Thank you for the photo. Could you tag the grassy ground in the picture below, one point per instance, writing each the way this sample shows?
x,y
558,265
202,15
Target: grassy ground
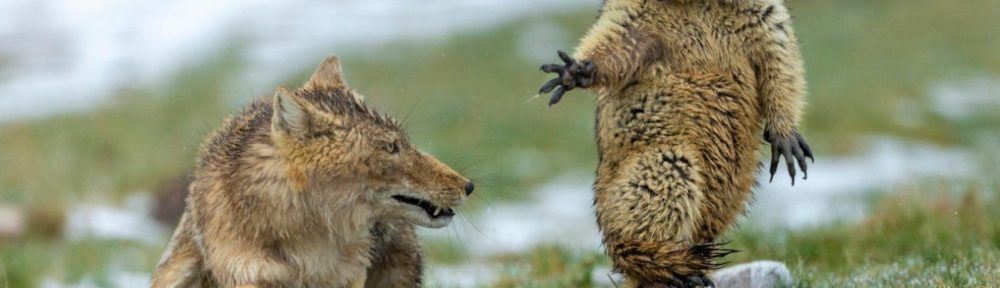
x,y
927,237
914,237
870,67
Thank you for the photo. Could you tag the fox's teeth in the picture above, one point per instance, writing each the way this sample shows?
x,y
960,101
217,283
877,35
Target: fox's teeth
x,y
437,212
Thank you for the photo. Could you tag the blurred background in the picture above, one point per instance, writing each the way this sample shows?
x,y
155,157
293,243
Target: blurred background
x,y
103,105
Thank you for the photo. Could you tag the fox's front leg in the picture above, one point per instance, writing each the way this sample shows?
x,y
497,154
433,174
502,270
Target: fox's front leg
x,y
358,283
781,86
608,57
398,262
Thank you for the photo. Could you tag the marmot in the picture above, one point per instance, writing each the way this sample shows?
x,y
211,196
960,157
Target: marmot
x,y
684,89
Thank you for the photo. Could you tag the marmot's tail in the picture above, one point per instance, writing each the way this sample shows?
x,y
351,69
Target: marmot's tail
x,y
661,261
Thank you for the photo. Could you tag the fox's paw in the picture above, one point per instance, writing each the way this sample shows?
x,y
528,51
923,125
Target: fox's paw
x,y
789,146
572,74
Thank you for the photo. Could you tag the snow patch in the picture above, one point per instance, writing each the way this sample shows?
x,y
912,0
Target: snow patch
x,y
108,222
562,214
959,100
117,278
835,186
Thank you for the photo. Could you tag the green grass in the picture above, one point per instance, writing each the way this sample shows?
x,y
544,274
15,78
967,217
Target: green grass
x,y
870,64
549,266
22,264
939,237
464,99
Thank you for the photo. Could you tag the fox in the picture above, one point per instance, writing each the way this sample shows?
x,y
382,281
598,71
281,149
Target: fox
x,y
684,90
309,188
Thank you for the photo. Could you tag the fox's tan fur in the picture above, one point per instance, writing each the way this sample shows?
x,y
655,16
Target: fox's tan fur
x,y
295,191
685,88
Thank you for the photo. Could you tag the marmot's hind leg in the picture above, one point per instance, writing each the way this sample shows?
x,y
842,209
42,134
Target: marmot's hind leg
x,y
650,216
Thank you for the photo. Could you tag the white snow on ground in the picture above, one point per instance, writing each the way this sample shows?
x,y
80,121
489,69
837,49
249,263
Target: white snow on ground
x,y
466,275
561,214
117,278
109,222
959,100
101,221
836,186
65,55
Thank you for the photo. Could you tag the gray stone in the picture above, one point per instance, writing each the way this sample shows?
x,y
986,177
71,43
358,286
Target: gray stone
x,y
757,274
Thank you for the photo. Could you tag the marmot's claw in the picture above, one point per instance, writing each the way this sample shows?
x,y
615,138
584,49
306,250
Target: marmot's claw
x,y
565,57
805,147
793,146
552,84
549,68
572,74
556,96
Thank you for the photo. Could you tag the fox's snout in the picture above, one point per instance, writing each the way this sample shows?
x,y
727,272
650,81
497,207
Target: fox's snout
x,y
469,187
431,192
443,174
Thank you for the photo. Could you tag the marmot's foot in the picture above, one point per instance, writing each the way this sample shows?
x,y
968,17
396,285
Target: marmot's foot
x,y
698,281
789,146
694,281
572,74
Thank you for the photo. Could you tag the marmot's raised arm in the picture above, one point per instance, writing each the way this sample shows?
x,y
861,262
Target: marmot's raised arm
x,y
619,50
611,54
781,87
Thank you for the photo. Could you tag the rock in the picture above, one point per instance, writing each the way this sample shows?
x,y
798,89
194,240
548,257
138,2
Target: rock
x,y
11,221
757,274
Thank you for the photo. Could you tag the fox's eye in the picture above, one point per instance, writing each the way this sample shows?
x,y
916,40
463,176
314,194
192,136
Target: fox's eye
x,y
392,148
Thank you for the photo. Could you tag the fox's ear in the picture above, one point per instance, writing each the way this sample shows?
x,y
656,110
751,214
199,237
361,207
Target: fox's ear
x,y
328,75
290,113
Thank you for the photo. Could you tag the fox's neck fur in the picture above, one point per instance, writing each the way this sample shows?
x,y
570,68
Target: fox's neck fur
x,y
345,220
319,235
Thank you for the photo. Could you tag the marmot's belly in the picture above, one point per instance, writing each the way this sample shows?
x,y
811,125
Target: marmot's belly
x,y
707,114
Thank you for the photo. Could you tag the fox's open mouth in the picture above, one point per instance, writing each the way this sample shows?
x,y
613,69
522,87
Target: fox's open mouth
x,y
432,211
